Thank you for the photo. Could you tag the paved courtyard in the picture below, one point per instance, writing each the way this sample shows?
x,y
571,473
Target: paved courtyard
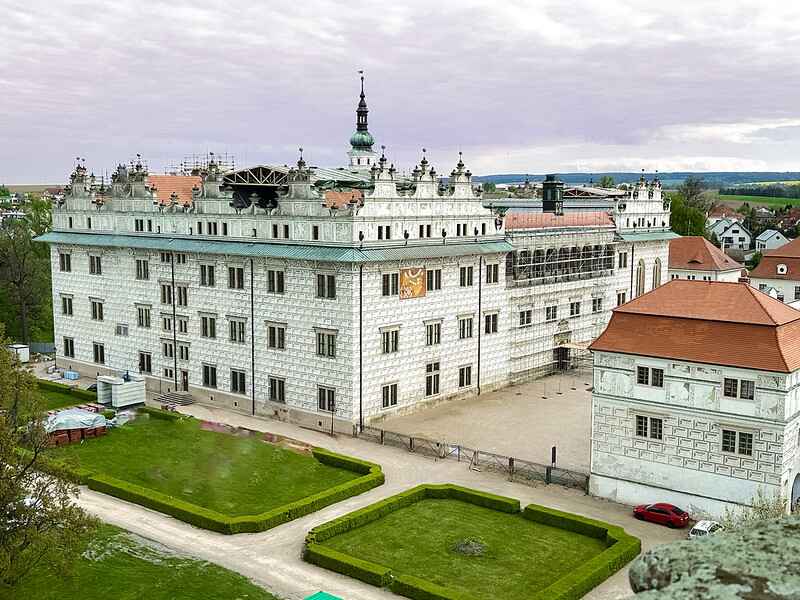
x,y
523,421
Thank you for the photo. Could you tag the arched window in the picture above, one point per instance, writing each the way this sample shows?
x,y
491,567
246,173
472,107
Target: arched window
x,y
550,262
575,260
586,259
538,263
657,273
563,261
640,278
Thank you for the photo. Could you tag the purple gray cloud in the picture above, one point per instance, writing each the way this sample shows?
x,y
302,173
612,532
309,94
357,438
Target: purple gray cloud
x,y
518,86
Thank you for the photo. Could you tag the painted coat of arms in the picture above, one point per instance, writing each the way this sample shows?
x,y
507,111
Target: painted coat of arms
x,y
412,283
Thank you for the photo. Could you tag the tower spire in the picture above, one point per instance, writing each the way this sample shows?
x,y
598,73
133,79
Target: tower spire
x,y
361,154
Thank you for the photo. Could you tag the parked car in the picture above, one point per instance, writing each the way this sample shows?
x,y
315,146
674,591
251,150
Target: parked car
x,y
704,528
662,513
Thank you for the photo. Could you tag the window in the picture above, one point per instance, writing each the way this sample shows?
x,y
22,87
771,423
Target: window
x,y
138,224
224,228
210,376
737,442
424,231
169,373
66,305
286,231
326,286
492,273
464,328
208,326
238,382
639,278
164,256
550,313
730,388
236,330
166,323
390,284
166,293
277,390
180,259
621,298
525,317
274,230
275,282
326,344
315,232
99,353
651,427
95,266
89,223
434,277
642,375
597,305
490,323
389,395
465,376
145,362
657,377
142,269
182,295
384,232
465,276
276,336
623,260
70,222
97,310
207,275
326,399
183,351
390,340
65,262
433,333
199,228
69,347
183,325
432,379
650,376
796,292
747,389
143,316
167,350
574,309
236,278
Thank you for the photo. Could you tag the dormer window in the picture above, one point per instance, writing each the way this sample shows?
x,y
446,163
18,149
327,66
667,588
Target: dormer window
x,y
782,269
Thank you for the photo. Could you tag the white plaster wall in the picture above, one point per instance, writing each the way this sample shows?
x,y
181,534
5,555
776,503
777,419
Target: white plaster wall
x,y
789,288
731,276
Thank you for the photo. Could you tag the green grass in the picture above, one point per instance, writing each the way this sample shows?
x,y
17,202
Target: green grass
x,y
55,400
230,474
758,200
522,557
116,564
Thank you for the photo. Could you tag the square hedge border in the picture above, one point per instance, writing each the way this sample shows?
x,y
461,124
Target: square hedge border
x,y
371,476
81,395
621,547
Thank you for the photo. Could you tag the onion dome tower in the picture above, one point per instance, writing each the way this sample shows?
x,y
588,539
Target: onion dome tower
x,y
361,155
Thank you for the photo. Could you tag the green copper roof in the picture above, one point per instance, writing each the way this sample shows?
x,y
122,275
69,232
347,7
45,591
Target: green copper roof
x,y
362,140
269,250
648,236
322,596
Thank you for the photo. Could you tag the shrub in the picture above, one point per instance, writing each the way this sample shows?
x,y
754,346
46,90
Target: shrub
x,y
108,413
331,559
420,589
484,499
157,413
562,520
326,457
763,506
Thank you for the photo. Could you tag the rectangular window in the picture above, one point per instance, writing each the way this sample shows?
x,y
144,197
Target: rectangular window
x,y
169,373
389,395
390,341
550,313
143,316
747,389
95,266
183,352
286,231
65,262
89,223
656,428
210,376
730,388
315,232
99,353
182,293
433,334
121,330
276,337
138,224
238,382
525,317
142,269
641,426
275,282
166,293
657,377
642,375
236,331
651,427
623,260
180,259
183,325
207,275
597,305
69,347
464,328
326,344
164,256
277,390
66,305
740,442
236,278
490,323
326,399
274,230
199,228
326,286
208,327
465,276
796,292
492,273
434,277
621,298
465,376
574,309
224,228
728,440
390,284
432,379
167,350
745,445
166,323
97,310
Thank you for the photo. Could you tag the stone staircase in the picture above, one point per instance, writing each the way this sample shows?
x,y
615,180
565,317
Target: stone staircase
x,y
175,398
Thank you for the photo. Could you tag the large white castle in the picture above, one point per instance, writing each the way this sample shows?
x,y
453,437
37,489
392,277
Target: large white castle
x,y
339,295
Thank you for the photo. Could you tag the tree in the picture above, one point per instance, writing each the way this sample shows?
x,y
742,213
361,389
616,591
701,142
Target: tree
x,y
489,187
755,259
686,220
4,191
39,522
606,181
691,190
762,507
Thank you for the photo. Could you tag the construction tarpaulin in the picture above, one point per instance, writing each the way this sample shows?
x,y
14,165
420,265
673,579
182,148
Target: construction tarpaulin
x,y
74,418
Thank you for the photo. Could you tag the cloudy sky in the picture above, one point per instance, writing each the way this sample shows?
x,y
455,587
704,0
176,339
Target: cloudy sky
x,y
518,86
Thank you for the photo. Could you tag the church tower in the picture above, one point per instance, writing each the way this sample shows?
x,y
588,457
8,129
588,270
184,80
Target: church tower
x,y
361,155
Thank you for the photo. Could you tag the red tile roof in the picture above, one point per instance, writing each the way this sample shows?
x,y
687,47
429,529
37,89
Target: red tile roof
x,y
342,199
697,253
788,254
181,184
537,220
708,322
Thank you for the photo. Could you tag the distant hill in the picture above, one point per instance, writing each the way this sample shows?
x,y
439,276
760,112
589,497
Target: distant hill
x,y
712,178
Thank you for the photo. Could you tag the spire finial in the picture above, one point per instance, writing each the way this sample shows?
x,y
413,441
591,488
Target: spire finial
x,y
361,72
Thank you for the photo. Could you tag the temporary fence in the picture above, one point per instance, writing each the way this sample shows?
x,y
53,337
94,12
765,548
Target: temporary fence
x,y
516,469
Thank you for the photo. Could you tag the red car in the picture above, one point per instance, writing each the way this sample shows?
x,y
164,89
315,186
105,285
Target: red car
x,y
662,513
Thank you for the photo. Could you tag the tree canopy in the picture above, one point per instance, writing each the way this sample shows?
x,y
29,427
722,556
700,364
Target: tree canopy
x,y
606,181
685,219
691,191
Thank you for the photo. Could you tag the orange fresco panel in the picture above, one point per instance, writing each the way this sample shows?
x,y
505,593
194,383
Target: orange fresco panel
x,y
412,283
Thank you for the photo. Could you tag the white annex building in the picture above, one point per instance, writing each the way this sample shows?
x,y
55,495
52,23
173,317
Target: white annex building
x,y
695,398
770,239
731,234
695,258
778,272
338,295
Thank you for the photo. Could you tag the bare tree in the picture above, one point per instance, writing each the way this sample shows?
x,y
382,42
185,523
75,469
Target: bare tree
x,y
691,190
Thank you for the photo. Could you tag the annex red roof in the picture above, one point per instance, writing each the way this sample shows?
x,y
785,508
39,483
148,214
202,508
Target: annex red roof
x,y
537,220
709,322
181,184
697,253
788,254
342,199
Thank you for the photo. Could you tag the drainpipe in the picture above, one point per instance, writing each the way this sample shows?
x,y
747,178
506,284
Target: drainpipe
x,y
252,341
174,323
632,261
480,316
361,347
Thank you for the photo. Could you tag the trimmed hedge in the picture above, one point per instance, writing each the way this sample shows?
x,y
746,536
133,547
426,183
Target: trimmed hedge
x,y
66,389
621,548
165,415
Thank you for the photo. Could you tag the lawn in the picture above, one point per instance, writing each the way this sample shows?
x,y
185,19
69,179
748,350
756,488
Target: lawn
x,y
117,564
231,474
767,201
521,557
56,400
